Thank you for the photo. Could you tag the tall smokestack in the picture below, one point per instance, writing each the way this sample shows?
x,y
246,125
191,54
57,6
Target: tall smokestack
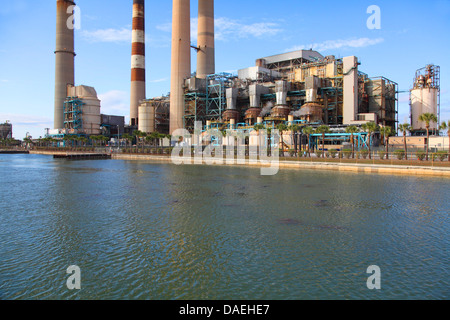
x,y
64,58
137,60
181,60
205,39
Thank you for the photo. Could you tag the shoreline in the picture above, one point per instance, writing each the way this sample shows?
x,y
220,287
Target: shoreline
x,y
342,167
283,164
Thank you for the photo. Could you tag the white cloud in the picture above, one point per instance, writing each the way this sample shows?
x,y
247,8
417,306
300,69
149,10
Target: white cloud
x,y
115,102
338,44
227,29
108,35
124,35
158,80
25,119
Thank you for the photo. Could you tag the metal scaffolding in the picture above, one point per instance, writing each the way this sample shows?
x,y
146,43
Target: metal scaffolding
x,y
73,113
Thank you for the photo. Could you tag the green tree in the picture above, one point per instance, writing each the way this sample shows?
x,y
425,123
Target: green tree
x,y
128,139
323,129
405,127
446,126
281,128
258,127
386,132
370,128
294,128
140,135
428,118
308,131
352,130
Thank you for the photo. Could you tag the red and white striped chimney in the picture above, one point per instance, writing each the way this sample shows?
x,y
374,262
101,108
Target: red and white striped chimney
x,y
137,60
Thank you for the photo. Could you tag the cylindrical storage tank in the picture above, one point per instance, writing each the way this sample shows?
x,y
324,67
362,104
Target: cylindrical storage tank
x,y
423,101
259,120
291,118
251,115
281,112
229,115
91,116
146,118
311,112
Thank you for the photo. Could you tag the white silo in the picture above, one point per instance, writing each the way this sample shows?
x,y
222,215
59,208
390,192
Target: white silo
x,y
425,97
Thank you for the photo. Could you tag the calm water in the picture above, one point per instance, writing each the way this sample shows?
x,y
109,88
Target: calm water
x,y
142,230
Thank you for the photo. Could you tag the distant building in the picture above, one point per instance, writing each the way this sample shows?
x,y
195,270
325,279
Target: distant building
x,y
5,130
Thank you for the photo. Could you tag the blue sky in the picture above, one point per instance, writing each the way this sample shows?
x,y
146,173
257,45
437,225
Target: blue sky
x,y
412,35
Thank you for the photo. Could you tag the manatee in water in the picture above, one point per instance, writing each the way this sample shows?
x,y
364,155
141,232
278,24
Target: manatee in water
x,y
327,227
291,222
322,204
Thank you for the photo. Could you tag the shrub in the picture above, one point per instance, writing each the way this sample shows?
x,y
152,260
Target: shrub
x,y
347,153
364,153
442,155
291,152
332,153
420,155
382,154
319,154
400,154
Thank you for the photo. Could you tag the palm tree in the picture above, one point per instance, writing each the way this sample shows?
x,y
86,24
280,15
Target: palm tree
x,y
128,138
386,132
308,131
428,118
322,130
446,126
139,134
352,130
257,128
294,128
404,128
281,128
370,128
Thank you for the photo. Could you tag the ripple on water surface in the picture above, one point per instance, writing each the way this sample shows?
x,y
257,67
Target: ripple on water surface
x,y
155,231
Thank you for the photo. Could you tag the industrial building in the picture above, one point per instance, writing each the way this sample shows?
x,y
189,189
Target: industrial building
x,y
311,88
302,87
425,98
5,130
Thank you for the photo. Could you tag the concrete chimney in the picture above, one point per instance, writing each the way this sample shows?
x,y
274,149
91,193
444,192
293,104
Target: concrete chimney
x,y
181,60
64,58
205,39
137,60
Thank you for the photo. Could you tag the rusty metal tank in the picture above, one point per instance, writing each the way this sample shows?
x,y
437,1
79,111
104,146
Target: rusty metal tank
x,y
231,114
311,112
280,111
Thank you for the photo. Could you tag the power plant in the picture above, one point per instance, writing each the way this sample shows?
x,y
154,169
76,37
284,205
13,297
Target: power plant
x,y
302,87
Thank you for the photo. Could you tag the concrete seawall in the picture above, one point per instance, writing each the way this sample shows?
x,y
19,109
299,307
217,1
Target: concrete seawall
x,y
343,167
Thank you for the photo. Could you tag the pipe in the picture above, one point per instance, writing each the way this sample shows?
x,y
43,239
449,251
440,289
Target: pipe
x,y
205,39
137,92
64,59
